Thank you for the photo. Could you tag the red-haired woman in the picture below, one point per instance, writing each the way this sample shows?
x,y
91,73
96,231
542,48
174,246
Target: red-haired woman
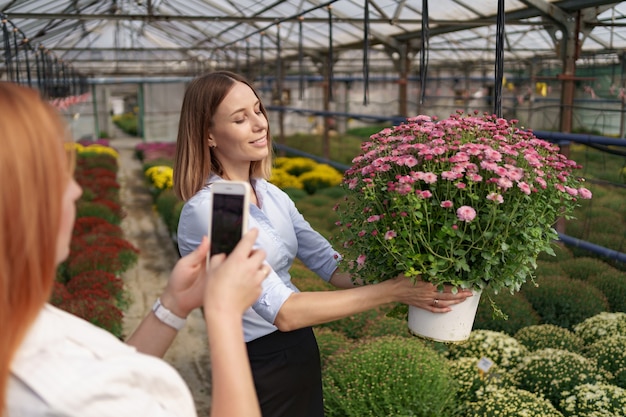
x,y
53,363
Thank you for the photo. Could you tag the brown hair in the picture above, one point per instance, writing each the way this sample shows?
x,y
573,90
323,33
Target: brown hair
x,y
194,161
35,172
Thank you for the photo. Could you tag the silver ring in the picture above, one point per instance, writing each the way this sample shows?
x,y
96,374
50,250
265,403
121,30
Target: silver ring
x,y
436,302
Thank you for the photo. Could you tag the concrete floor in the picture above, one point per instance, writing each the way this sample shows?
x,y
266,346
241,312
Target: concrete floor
x,y
144,228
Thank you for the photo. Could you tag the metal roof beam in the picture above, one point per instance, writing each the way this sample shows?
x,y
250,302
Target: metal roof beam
x,y
511,18
252,20
549,10
142,17
382,37
379,10
399,7
242,19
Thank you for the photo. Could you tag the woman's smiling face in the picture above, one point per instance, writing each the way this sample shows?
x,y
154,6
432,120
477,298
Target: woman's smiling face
x,y
239,132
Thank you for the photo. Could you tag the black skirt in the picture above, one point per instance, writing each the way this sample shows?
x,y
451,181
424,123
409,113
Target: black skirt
x,y
287,374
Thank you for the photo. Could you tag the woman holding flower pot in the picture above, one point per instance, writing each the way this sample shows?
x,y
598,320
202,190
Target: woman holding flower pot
x,y
54,363
224,134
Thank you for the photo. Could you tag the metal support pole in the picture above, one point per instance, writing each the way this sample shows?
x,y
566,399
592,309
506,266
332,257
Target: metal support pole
x,y
140,117
326,98
402,84
94,101
570,55
623,82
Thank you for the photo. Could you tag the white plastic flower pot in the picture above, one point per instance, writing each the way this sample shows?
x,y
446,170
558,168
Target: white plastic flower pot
x,y
450,327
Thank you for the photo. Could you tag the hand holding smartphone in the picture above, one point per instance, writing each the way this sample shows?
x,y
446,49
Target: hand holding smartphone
x,y
228,218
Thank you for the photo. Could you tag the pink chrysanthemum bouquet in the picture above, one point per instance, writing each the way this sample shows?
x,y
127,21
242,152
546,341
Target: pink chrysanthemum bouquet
x,y
468,201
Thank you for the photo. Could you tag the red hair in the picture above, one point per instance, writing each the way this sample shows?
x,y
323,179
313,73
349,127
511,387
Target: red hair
x,y
35,171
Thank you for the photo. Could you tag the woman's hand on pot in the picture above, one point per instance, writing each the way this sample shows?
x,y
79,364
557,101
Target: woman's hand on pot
x,y
425,295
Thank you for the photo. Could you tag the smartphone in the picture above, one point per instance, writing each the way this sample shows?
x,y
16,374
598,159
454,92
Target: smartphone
x,y
228,218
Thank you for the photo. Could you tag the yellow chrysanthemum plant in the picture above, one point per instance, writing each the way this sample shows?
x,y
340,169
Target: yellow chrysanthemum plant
x,y
161,177
304,174
96,149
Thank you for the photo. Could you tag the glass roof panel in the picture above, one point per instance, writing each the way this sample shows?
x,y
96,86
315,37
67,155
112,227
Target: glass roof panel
x,y
197,30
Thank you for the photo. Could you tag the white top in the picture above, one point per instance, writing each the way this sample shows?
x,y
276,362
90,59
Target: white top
x,y
284,235
69,367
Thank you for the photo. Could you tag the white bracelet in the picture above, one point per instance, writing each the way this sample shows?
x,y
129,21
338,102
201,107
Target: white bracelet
x,y
167,317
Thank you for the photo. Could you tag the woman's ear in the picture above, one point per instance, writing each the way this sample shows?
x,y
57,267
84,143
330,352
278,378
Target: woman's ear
x,y
211,142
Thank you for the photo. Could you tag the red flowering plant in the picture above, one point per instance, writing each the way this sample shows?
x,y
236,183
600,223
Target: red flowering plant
x,y
101,284
468,201
97,226
100,252
97,310
103,187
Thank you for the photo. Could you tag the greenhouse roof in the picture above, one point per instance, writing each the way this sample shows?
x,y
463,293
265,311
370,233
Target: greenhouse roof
x,y
181,37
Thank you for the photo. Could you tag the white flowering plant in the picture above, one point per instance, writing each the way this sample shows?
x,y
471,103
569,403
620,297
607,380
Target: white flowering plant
x,y
601,325
513,402
472,382
594,400
502,349
468,201
554,373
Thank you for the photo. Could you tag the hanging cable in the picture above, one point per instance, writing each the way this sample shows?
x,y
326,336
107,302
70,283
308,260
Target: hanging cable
x,y
237,64
17,56
7,50
330,53
424,51
248,69
279,64
300,59
52,78
366,47
65,80
499,66
38,67
262,59
56,78
72,81
26,50
47,73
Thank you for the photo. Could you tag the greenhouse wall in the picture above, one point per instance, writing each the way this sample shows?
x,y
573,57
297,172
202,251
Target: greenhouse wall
x,y
162,103
444,97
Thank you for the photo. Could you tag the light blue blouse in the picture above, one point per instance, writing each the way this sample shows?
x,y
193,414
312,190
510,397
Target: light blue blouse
x,y
284,235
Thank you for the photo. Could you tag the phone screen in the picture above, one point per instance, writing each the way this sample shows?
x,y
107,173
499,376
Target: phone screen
x,y
226,223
